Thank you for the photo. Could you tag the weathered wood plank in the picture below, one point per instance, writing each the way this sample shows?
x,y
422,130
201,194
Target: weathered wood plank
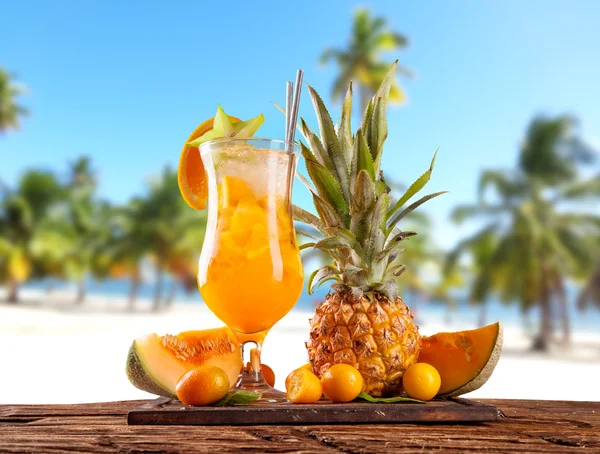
x,y
118,408
172,412
529,426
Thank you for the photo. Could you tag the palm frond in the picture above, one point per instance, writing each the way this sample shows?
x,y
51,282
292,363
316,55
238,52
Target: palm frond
x,y
580,190
460,213
507,185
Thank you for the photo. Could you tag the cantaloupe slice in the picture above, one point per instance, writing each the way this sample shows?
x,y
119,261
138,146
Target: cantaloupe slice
x,y
464,359
155,363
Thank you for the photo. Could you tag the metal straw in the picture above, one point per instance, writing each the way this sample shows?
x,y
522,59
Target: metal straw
x,y
289,88
295,107
291,118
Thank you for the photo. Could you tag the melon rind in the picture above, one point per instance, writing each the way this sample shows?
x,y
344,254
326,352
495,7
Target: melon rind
x,y
485,374
138,373
153,368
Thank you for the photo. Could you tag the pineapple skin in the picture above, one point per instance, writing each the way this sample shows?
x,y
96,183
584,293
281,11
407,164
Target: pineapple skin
x,y
377,337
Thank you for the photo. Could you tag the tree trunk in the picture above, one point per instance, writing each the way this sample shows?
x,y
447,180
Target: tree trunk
x,y
526,318
158,288
13,292
542,340
591,292
80,292
564,313
483,314
133,292
172,292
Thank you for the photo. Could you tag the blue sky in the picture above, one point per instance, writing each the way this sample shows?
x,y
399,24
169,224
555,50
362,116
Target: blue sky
x,y
125,82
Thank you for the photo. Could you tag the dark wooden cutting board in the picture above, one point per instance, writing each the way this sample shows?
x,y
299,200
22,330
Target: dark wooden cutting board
x,y
172,412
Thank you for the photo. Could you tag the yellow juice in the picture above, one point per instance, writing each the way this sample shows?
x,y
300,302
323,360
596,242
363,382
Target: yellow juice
x,y
250,272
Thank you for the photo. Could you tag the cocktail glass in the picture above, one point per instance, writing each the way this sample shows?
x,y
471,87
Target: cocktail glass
x,y
250,273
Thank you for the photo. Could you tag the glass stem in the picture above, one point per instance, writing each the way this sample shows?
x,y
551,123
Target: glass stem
x,y
251,377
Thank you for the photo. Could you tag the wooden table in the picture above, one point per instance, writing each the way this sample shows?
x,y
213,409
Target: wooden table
x,y
527,426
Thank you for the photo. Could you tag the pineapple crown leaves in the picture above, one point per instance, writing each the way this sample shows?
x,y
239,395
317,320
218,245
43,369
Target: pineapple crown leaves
x,y
356,223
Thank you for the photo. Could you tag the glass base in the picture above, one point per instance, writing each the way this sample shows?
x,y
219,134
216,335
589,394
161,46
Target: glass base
x,y
251,377
267,393
250,381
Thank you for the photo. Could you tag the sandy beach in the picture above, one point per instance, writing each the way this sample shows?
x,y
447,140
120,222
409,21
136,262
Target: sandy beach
x,y
56,353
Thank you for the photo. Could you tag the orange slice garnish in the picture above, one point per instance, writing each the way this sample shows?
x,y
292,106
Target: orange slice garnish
x,y
191,175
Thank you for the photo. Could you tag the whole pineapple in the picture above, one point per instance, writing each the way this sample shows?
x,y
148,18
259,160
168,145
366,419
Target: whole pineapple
x,y
362,322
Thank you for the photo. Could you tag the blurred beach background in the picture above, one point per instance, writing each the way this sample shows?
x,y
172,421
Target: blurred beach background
x,y
97,246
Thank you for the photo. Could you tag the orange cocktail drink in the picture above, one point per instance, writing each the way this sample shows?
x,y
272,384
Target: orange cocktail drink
x,y
254,275
250,272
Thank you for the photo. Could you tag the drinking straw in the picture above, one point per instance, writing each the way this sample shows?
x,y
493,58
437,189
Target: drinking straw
x,y
291,118
295,106
288,106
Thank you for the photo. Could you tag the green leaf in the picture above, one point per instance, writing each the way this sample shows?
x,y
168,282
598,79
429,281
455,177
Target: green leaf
x,y
327,186
388,400
345,130
381,187
333,242
383,92
238,398
314,235
355,276
365,125
388,288
327,213
414,188
413,207
375,122
244,397
376,238
223,127
395,240
364,194
379,132
316,147
345,234
330,142
306,246
306,182
395,271
378,235
362,205
393,254
389,248
319,275
301,215
363,155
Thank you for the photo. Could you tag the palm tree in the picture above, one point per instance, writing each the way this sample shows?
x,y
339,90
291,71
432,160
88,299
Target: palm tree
x,y
22,214
85,221
73,235
484,281
172,231
361,60
127,246
541,241
10,111
590,293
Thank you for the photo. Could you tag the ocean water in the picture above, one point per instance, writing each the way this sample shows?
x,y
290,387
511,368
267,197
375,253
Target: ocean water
x,y
462,314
